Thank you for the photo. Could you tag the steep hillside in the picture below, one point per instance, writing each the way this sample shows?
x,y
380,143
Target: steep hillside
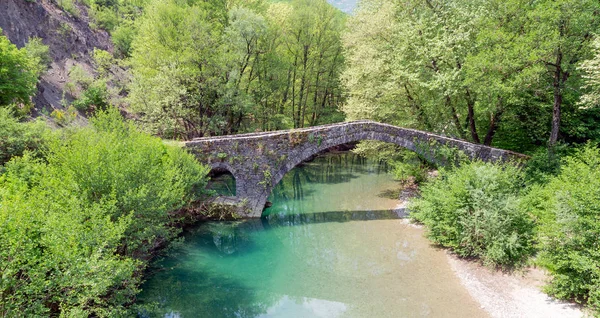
x,y
70,39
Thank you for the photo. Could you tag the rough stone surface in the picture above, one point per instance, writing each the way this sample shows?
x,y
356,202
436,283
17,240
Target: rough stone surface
x,y
258,161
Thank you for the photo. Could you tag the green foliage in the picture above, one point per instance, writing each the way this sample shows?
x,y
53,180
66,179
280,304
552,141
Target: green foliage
x,y
485,71
105,18
567,209
175,69
20,137
95,97
473,209
64,117
409,169
103,61
545,163
203,68
591,68
69,6
80,77
18,74
122,37
39,54
80,225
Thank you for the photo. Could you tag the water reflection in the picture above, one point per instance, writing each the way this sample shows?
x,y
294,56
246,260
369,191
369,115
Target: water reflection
x,y
328,247
223,184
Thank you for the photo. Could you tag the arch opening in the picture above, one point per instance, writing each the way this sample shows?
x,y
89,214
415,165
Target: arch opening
x,y
333,165
222,181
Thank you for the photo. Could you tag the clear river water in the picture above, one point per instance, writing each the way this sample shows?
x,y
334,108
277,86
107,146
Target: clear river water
x,y
330,246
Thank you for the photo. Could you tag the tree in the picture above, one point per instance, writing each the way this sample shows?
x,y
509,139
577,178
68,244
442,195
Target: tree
x,y
591,68
18,74
262,67
177,72
470,69
562,33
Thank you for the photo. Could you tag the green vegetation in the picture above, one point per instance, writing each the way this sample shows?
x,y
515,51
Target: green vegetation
x,y
199,69
503,73
18,74
566,210
20,137
516,75
473,209
84,209
503,215
80,223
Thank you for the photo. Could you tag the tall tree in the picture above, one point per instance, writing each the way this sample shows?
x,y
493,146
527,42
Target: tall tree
x,y
562,32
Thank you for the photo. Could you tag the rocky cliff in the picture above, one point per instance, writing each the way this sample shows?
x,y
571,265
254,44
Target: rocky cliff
x,y
69,37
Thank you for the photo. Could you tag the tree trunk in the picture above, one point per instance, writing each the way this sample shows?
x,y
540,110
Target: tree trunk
x,y
471,117
494,122
459,127
420,113
557,100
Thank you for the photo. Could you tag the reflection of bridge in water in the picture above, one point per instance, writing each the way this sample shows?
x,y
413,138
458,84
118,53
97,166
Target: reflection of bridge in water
x,y
258,161
292,238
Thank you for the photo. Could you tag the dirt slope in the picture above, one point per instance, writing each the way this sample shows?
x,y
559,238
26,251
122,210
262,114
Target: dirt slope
x,y
70,39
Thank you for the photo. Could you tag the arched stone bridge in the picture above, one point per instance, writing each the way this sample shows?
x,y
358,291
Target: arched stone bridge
x,y
258,161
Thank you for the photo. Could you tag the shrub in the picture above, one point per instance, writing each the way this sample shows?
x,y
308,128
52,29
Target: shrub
x,y
545,163
94,97
409,168
568,211
122,37
16,137
69,6
473,209
80,225
18,77
39,54
104,17
80,77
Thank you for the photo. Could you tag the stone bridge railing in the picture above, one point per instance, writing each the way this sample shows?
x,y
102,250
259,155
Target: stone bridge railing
x,y
258,161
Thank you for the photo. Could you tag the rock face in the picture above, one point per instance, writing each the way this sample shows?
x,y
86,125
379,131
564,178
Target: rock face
x,y
70,39
258,161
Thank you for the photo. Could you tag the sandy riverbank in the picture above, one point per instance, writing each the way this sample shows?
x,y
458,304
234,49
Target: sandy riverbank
x,y
508,295
503,295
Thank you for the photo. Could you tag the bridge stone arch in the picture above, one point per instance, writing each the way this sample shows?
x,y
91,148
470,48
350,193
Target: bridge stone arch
x,y
258,161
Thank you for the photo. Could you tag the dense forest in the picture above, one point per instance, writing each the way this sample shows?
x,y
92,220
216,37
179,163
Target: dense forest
x,y
92,188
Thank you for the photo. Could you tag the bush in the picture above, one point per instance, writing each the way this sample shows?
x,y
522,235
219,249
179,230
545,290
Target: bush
x,y
18,76
95,97
473,210
568,211
16,137
39,54
545,163
104,17
409,171
122,37
79,226
409,168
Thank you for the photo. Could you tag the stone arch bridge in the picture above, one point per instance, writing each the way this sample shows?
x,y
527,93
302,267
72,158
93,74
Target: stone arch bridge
x,y
258,161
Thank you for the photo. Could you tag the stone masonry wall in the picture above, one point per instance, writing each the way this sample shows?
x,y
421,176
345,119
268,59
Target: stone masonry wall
x,y
258,161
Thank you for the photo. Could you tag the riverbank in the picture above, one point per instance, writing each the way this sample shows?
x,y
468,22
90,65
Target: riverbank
x,y
508,295
501,294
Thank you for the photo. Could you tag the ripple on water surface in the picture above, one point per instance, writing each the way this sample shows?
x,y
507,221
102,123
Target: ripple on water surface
x,y
329,247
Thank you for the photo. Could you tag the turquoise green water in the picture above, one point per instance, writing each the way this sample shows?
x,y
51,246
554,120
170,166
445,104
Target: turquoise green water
x,y
330,246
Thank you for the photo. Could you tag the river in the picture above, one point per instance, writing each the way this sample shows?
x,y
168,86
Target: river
x,y
330,246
